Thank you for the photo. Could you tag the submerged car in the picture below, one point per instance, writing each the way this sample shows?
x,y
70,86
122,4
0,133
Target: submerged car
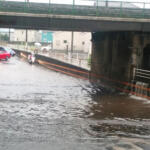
x,y
4,55
46,48
9,50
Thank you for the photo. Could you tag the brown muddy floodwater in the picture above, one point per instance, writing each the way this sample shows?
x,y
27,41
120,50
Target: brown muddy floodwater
x,y
45,110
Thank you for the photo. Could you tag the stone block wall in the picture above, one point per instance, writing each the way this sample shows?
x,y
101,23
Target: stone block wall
x,y
115,54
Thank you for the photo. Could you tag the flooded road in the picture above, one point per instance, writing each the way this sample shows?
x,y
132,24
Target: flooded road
x,y
45,110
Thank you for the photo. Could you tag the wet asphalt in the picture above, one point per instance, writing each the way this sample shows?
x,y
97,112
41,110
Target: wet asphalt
x,y
45,110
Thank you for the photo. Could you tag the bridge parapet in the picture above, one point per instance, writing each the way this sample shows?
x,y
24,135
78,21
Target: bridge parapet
x,y
89,8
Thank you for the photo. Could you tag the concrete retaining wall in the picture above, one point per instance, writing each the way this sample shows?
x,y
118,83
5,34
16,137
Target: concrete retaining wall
x,y
56,65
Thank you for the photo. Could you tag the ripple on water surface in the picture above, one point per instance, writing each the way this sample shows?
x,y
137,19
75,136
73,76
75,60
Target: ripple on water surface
x,y
37,104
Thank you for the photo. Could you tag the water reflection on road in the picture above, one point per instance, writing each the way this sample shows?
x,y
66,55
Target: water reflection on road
x,y
45,110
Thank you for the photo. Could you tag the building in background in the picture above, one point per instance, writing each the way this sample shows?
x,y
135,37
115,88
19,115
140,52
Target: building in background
x,y
81,41
20,36
59,40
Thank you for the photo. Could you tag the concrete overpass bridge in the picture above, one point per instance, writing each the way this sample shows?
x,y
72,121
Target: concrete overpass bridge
x,y
111,16
120,31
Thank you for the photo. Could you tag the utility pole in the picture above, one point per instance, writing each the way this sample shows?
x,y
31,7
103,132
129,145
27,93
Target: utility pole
x,y
28,3
49,6
72,42
73,2
106,3
26,39
9,34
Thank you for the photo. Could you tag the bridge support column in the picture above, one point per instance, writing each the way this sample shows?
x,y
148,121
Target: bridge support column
x,y
115,54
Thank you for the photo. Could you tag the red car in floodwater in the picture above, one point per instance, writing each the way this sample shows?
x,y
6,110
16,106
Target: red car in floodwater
x,y
4,54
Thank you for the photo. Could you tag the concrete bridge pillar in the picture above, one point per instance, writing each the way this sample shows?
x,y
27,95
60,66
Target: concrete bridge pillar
x,y
115,54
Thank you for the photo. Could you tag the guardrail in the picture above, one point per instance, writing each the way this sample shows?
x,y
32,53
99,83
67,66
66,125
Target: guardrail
x,y
81,8
75,58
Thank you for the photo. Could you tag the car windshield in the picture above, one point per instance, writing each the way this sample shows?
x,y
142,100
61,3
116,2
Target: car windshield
x,y
7,49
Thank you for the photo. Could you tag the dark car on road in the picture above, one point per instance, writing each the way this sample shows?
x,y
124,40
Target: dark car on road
x,y
4,55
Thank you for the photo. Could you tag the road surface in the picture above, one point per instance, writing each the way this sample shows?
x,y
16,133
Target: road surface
x,y
45,110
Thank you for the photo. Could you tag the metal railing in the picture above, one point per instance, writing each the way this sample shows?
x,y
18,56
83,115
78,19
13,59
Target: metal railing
x,y
141,74
81,8
141,82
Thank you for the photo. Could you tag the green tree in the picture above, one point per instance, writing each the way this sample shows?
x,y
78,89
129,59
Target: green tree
x,y
4,37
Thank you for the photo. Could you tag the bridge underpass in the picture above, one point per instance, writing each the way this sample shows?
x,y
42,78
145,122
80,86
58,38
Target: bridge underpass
x,y
118,39
47,110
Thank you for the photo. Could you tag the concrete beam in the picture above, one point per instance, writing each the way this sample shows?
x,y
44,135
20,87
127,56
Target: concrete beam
x,y
71,23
